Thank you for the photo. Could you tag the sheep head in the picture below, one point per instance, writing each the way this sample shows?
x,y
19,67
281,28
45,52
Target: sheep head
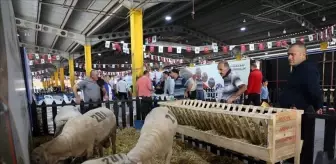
x,y
38,156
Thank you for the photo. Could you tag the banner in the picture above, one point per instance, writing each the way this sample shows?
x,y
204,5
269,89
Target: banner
x,y
213,79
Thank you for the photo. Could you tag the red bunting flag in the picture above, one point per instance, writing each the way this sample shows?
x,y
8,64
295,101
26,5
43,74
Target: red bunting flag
x,y
278,43
225,49
30,56
206,49
151,48
302,39
242,48
188,49
284,43
261,46
170,49
117,47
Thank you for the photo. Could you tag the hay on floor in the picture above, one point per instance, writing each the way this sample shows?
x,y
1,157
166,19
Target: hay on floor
x,y
182,154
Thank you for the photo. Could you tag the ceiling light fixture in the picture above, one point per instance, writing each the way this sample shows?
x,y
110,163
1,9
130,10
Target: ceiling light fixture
x,y
168,18
303,24
99,54
324,18
122,41
244,20
243,29
284,31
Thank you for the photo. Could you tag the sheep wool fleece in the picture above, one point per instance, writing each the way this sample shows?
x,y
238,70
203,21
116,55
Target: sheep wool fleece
x,y
75,140
65,113
106,121
111,159
156,136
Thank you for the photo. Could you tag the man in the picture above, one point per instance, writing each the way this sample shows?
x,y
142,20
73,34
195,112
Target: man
x,y
254,85
180,90
122,89
144,88
191,87
90,88
168,84
233,85
303,85
199,85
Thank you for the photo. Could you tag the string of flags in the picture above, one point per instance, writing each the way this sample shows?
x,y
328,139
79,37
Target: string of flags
x,y
42,58
104,73
324,35
162,61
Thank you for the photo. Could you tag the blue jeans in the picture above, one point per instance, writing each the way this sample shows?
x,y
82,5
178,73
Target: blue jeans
x,y
199,94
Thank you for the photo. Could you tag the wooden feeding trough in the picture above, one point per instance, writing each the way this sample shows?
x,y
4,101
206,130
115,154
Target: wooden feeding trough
x,y
268,134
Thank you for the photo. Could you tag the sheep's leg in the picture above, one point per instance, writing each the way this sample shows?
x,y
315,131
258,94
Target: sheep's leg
x,y
169,155
89,151
101,151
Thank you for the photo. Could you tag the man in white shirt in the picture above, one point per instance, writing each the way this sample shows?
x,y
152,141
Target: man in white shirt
x,y
122,89
169,84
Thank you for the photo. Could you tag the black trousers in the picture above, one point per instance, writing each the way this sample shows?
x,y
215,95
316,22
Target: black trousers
x,y
254,98
192,95
146,106
264,100
122,95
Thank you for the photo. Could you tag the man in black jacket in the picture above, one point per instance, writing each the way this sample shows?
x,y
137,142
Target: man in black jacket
x,y
303,85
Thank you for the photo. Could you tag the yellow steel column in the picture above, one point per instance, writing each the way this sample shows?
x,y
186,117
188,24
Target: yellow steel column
x,y
44,84
88,61
136,22
71,71
61,73
56,77
52,79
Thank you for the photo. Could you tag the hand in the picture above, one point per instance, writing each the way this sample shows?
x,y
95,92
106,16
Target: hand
x,y
231,100
185,94
319,111
78,100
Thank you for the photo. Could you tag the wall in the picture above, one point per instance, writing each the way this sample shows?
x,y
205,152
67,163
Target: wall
x,y
14,124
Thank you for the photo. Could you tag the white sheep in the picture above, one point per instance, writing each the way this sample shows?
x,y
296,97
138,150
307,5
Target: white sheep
x,y
106,129
75,140
111,159
64,114
156,138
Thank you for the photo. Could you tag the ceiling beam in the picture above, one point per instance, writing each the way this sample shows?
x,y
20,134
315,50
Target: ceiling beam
x,y
41,49
151,31
65,20
287,11
21,23
38,18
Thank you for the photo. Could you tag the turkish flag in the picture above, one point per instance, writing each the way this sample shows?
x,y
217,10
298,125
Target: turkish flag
x,y
278,43
261,46
225,49
242,48
302,39
170,49
206,49
151,48
188,49
117,47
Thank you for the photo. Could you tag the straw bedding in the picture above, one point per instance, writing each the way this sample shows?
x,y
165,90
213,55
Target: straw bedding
x,y
182,153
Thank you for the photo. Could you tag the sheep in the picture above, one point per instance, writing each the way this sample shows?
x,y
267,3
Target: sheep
x,y
156,136
111,159
76,139
64,114
107,127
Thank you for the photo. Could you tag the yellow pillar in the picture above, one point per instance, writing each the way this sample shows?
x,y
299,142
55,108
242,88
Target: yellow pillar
x,y
61,74
44,84
71,71
88,61
52,79
136,21
56,77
